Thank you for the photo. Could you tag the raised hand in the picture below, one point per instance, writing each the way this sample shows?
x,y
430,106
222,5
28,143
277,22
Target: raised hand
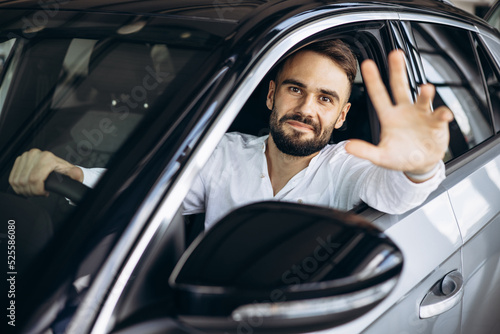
x,y
32,168
413,139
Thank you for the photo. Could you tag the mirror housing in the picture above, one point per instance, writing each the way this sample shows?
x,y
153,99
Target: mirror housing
x,y
278,265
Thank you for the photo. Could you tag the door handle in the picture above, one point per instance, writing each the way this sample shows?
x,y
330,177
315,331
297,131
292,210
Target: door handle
x,y
443,296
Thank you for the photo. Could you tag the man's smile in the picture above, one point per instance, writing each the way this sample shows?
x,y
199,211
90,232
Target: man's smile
x,y
300,126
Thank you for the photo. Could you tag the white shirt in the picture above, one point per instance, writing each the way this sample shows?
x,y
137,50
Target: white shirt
x,y
236,174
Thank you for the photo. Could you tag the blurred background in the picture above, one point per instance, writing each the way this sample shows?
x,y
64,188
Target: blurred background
x,y
477,7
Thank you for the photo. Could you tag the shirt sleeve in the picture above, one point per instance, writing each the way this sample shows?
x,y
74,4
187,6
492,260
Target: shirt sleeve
x,y
194,202
392,192
386,190
92,175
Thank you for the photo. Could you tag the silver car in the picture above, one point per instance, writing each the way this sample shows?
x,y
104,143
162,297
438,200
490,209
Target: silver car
x,y
147,89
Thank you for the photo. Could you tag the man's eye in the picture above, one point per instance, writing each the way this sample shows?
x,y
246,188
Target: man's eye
x,y
325,99
295,90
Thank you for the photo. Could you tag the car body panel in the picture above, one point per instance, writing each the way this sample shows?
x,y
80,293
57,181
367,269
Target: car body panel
x,y
430,241
484,187
403,316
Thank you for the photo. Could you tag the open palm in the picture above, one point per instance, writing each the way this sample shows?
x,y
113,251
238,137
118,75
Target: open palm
x,y
413,138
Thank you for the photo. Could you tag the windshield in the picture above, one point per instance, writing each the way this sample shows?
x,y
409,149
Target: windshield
x,y
79,85
87,93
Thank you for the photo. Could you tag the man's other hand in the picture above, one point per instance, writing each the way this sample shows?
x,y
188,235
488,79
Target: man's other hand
x,y
413,138
32,168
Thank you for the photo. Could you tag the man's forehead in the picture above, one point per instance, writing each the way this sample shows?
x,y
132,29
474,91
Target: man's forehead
x,y
306,59
316,69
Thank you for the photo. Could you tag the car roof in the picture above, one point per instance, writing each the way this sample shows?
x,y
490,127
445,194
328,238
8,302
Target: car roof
x,y
237,10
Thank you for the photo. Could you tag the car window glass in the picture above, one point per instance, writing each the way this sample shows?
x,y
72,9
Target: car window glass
x,y
492,83
5,50
494,19
450,64
494,47
81,92
93,94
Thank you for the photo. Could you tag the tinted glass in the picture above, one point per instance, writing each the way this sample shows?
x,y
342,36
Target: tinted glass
x,y
494,17
80,91
491,76
449,63
78,87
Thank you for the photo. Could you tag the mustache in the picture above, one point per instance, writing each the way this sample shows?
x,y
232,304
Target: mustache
x,y
301,118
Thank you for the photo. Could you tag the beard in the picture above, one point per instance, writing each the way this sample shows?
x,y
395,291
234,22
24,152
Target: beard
x,y
293,144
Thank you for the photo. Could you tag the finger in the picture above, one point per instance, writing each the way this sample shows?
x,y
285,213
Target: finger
x,y
14,174
363,150
14,171
425,97
75,173
20,177
398,78
375,87
68,169
443,114
37,180
45,164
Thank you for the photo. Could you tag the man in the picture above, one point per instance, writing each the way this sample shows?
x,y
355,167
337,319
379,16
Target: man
x,y
308,99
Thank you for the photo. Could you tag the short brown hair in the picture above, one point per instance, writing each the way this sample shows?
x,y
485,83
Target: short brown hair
x,y
339,52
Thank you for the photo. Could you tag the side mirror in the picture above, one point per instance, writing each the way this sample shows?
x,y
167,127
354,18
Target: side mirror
x,y
282,266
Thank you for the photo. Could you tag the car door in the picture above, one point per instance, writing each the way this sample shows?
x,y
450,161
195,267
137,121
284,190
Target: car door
x,y
474,189
431,243
467,78
456,61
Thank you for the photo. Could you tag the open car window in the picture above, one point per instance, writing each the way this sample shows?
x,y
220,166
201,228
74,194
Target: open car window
x,y
451,66
149,290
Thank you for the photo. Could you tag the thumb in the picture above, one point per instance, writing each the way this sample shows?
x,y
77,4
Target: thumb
x,y
443,114
70,170
363,150
75,173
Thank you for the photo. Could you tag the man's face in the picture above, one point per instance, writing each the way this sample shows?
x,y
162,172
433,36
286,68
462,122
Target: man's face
x,y
308,101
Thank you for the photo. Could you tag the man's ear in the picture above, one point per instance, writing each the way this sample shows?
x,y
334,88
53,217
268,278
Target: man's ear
x,y
270,95
342,115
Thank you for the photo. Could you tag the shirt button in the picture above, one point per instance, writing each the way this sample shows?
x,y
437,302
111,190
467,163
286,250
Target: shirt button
x,y
300,201
262,176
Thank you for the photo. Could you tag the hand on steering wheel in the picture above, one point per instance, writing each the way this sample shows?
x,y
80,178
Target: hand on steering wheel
x,y
30,176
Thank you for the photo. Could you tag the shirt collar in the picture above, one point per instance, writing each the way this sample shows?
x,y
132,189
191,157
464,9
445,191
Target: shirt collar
x,y
259,142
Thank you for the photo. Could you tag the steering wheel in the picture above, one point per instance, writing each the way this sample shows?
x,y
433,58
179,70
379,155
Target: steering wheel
x,y
34,225
66,186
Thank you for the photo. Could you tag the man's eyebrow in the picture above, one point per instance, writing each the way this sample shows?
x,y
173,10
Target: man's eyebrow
x,y
293,82
332,93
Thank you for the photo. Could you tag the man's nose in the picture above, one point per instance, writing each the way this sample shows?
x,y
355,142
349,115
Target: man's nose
x,y
307,104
